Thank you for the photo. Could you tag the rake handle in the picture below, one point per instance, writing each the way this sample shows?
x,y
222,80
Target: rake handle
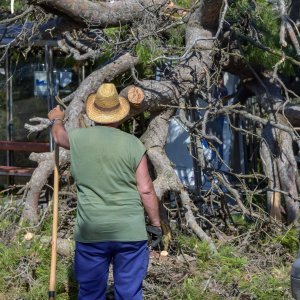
x,y
54,226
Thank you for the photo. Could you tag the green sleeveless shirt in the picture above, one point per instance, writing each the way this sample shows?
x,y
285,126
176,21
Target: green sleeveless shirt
x,y
103,164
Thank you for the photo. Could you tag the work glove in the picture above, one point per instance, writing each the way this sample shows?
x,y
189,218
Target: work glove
x,y
56,114
155,235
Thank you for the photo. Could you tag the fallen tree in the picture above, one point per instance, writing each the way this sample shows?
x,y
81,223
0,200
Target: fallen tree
x,y
194,44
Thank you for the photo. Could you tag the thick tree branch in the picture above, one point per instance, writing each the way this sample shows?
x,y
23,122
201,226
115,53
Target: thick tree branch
x,y
103,14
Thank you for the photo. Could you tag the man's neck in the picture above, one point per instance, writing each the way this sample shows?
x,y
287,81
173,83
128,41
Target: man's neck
x,y
114,125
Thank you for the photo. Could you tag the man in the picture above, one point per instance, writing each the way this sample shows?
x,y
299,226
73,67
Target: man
x,y
110,170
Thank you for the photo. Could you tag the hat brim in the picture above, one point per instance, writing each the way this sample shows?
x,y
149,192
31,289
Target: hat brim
x,y
106,117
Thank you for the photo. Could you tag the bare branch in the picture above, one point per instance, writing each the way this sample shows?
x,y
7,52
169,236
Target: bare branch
x,y
75,48
18,17
286,27
44,124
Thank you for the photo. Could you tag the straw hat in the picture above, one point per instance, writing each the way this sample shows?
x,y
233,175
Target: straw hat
x,y
106,106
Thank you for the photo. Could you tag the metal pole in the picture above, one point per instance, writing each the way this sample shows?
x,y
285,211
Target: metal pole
x,y
9,109
7,94
50,85
9,102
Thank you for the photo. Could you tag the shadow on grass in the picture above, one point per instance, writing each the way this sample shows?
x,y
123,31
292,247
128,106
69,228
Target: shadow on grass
x,y
72,284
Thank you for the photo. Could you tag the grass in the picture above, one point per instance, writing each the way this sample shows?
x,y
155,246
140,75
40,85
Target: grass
x,y
232,274
25,267
258,269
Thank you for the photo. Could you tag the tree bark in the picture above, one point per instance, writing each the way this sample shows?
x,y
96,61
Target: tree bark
x,y
102,14
267,150
37,182
279,160
288,172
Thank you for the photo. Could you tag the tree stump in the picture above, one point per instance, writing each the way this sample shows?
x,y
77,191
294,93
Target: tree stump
x,y
135,96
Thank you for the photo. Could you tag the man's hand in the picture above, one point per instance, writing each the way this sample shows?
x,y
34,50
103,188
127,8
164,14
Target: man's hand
x,y
59,133
56,114
155,234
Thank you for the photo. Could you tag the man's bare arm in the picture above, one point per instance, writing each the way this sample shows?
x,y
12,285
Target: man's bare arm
x,y
146,190
59,133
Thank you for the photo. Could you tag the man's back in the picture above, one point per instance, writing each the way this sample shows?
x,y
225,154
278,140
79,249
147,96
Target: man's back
x,y
103,164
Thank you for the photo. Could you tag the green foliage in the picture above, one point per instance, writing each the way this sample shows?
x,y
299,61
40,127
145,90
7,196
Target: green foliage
x,y
289,239
183,3
226,267
171,43
240,221
146,114
105,56
47,226
18,6
152,48
192,245
148,49
4,224
176,36
116,33
112,32
113,36
259,22
243,223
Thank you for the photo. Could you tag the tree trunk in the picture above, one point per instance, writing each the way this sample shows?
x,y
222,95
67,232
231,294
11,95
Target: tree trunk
x,y
277,151
288,172
281,169
37,182
267,152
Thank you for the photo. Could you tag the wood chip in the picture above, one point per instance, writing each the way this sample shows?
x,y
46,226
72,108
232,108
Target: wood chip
x,y
29,236
164,253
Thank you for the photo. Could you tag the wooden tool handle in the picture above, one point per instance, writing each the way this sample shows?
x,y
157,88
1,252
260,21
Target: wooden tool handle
x,y
54,226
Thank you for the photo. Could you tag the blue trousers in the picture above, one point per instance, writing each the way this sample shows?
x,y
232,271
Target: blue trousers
x,y
130,263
